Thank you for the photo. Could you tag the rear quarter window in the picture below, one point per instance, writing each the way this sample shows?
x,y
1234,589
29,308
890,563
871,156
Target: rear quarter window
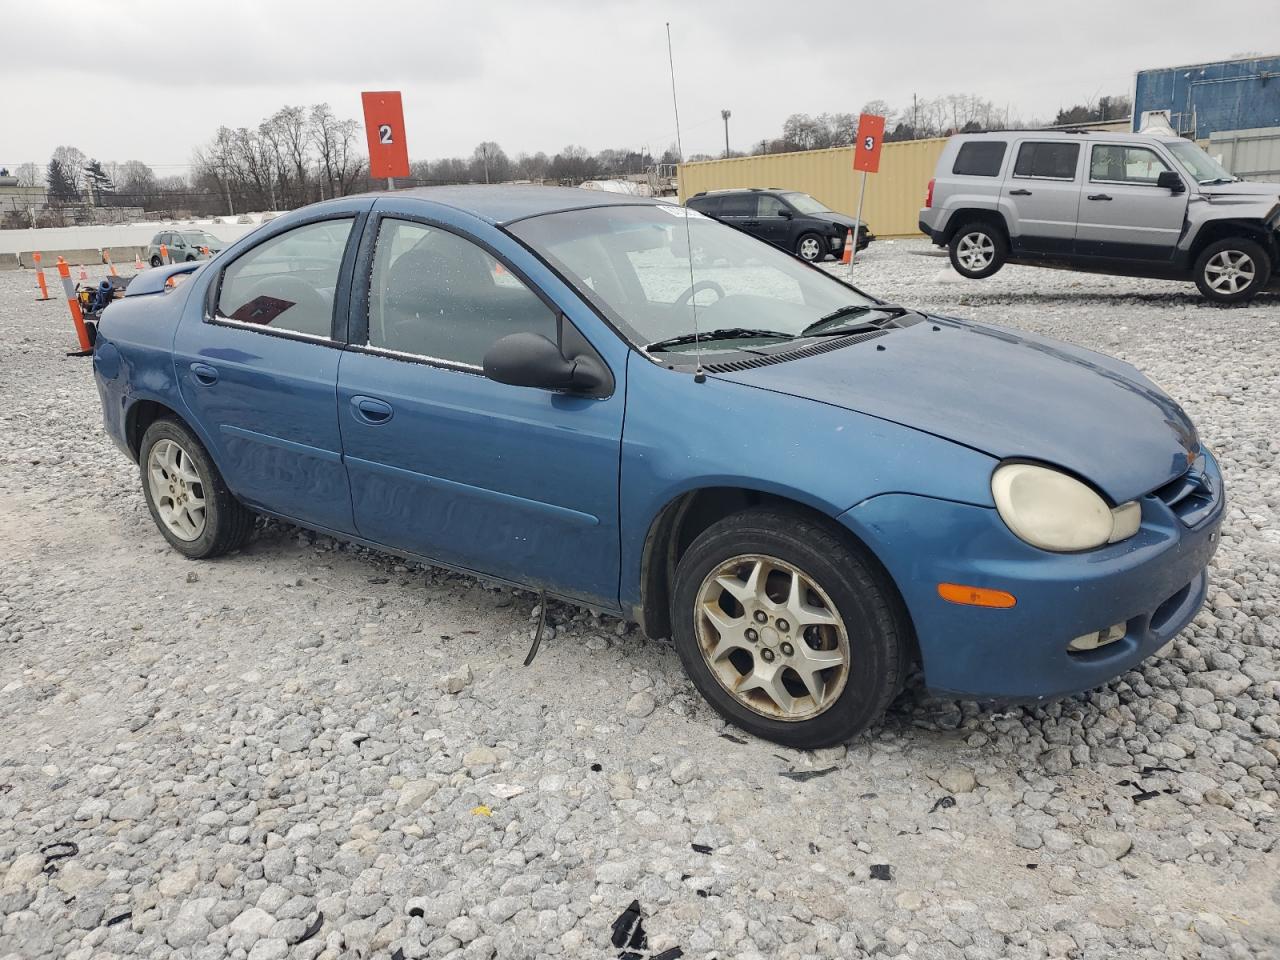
x,y
979,158
707,205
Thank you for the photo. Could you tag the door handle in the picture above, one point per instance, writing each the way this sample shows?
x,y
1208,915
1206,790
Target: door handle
x,y
1019,193
371,410
204,374
1099,196
751,223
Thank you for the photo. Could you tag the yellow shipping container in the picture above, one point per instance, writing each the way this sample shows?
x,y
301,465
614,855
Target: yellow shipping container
x,y
894,195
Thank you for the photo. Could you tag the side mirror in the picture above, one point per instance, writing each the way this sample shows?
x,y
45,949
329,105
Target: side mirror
x,y
1170,181
531,360
785,214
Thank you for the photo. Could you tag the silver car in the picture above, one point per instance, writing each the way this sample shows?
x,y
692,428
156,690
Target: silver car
x,y
183,245
1139,205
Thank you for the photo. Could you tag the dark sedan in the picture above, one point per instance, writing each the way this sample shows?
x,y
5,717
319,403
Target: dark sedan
x,y
794,221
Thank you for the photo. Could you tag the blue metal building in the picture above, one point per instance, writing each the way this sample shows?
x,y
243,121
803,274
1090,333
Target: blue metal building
x,y
1206,97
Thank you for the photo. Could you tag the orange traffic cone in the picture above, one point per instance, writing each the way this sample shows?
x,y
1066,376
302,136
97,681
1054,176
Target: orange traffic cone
x,y
847,257
137,263
83,275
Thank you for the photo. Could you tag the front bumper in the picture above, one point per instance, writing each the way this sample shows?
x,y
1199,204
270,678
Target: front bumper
x,y
1153,583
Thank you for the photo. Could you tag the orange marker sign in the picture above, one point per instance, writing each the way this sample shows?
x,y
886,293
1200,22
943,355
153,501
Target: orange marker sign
x,y
866,148
384,126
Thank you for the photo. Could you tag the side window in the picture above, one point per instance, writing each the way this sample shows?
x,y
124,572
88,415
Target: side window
x,y
770,206
1125,164
435,295
738,205
288,282
708,205
1056,161
979,158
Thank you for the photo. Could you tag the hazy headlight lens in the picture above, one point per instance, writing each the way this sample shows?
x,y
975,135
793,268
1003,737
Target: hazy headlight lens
x,y
1056,512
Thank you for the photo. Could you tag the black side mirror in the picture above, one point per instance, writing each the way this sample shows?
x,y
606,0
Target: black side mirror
x,y
785,214
1170,181
531,360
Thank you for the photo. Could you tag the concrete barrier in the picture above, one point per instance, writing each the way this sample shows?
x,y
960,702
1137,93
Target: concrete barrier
x,y
9,261
84,255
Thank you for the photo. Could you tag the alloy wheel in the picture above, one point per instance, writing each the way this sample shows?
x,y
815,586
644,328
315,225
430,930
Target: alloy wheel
x,y
772,637
809,248
1229,271
176,489
976,251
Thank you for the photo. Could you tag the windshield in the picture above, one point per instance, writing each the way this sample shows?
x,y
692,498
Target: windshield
x,y
805,203
633,263
1202,167
199,238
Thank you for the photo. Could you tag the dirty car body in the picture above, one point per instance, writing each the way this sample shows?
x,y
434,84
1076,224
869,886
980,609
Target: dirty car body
x,y
500,380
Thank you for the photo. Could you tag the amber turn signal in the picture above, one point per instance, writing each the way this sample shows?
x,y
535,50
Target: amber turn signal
x,y
975,596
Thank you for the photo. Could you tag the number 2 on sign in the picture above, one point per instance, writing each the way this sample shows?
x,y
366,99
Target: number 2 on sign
x,y
384,133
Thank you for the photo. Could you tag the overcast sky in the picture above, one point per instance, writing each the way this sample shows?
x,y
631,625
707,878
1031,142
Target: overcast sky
x,y
151,82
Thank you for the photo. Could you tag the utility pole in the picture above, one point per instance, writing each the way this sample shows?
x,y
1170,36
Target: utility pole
x,y
915,118
724,115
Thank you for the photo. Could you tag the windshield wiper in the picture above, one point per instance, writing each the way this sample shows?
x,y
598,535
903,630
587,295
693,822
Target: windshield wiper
x,y
724,333
1209,183
826,324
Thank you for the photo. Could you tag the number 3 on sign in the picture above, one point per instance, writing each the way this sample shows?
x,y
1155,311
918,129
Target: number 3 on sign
x,y
869,143
384,133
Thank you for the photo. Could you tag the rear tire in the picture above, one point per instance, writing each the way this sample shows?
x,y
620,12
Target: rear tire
x,y
978,250
825,603
809,248
187,497
1232,270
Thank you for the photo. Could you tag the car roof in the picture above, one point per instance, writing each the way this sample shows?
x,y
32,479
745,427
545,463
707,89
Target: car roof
x,y
507,203
1068,135
729,190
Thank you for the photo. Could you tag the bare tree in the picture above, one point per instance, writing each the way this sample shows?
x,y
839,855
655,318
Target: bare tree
x,y
29,175
338,143
72,161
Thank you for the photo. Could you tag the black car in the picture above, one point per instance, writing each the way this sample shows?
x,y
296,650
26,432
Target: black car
x,y
789,219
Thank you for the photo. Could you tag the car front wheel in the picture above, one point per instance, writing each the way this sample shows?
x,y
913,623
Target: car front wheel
x,y
1232,271
186,494
156,261
809,247
977,250
786,630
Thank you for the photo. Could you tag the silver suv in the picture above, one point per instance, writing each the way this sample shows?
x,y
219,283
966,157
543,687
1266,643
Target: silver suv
x,y
1138,205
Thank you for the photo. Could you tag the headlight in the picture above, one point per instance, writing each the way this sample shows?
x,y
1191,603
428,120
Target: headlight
x,y
1056,512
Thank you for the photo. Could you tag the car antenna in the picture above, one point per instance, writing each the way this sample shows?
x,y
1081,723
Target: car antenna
x,y
698,375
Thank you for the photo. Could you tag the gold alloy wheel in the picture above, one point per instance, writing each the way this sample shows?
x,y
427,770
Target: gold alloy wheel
x,y
772,637
176,490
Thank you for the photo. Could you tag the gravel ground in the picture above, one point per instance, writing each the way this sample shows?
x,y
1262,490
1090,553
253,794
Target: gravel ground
x,y
312,750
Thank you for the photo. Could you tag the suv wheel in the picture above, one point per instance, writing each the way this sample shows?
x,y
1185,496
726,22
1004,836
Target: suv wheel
x,y
155,260
786,630
809,247
978,250
1232,270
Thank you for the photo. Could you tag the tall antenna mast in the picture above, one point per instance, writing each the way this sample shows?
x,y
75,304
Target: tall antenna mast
x,y
699,376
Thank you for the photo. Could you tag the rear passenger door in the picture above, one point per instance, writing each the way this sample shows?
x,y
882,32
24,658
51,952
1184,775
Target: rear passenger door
x,y
1043,193
1123,213
739,210
771,225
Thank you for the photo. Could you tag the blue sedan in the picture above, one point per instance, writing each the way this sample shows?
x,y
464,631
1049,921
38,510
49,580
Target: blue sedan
x,y
631,406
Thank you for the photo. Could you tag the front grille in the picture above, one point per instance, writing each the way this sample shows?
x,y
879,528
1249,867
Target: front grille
x,y
731,366
1191,496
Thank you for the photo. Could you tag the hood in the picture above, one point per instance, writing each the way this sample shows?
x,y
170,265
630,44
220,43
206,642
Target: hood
x,y
841,220
1005,393
1242,188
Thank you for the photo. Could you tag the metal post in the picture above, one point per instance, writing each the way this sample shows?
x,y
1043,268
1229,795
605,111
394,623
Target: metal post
x,y
391,183
857,229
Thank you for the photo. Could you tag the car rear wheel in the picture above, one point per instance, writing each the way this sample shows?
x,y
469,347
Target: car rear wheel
x,y
186,495
786,631
809,247
155,260
1232,270
978,250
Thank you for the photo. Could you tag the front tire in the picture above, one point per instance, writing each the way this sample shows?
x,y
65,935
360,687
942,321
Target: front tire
x,y
187,497
978,250
787,630
809,248
1232,270
156,261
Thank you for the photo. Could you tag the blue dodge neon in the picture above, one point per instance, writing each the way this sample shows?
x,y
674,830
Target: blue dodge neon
x,y
622,403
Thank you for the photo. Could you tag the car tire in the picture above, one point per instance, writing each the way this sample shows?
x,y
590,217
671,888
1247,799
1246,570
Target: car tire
x,y
156,261
840,586
1232,270
809,248
978,250
176,471
190,259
